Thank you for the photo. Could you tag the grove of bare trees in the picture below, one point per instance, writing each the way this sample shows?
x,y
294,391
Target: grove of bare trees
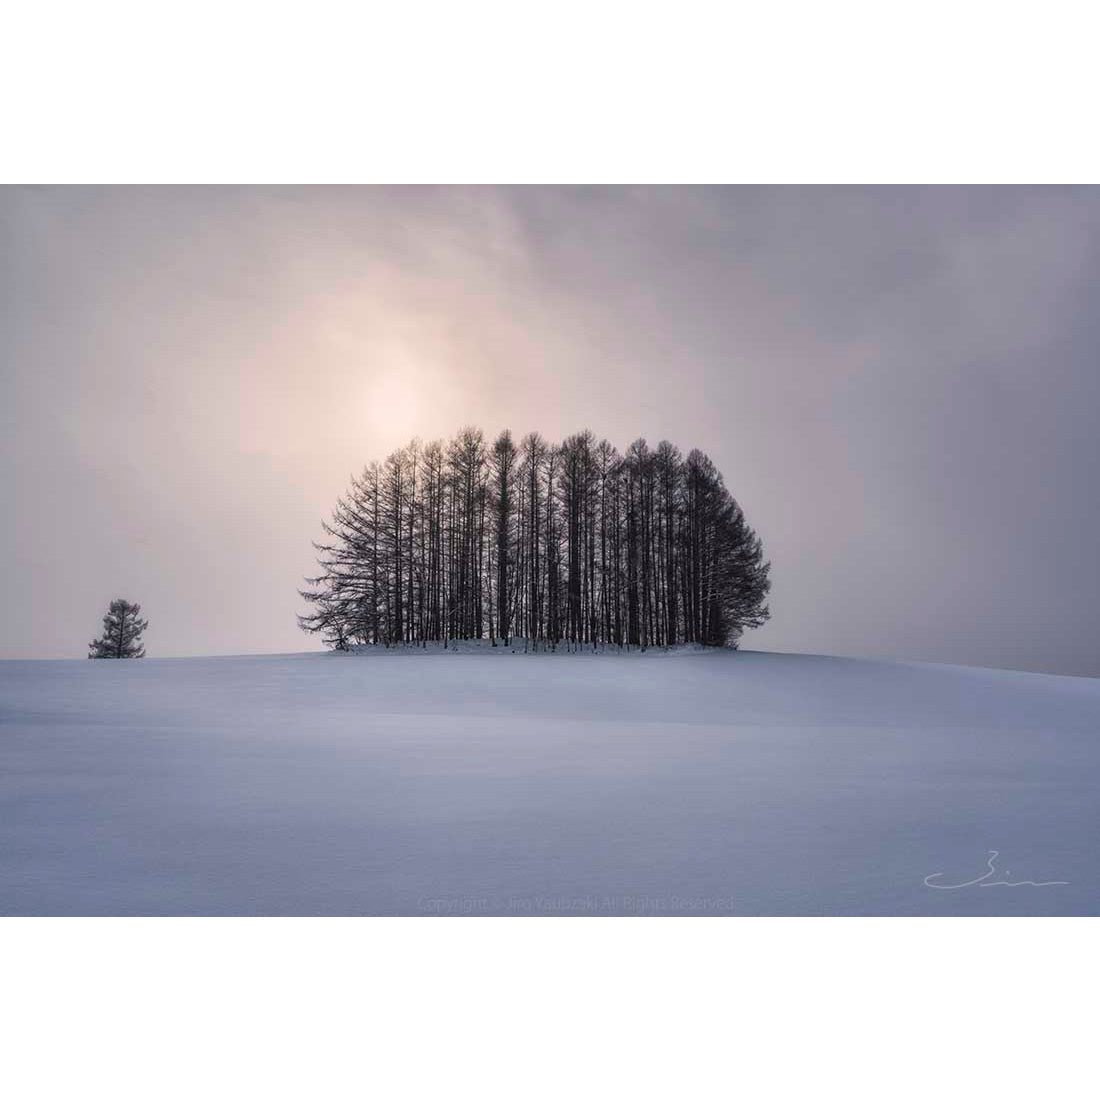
x,y
570,544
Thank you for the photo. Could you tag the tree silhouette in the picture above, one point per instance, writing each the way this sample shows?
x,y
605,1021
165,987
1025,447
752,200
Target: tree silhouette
x,y
574,544
122,629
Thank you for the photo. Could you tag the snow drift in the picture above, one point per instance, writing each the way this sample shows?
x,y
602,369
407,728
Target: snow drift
x,y
491,782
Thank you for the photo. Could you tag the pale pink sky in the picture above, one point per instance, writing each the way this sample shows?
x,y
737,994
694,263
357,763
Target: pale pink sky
x,y
899,384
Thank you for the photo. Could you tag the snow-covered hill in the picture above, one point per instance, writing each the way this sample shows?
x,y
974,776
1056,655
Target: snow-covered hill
x,y
502,783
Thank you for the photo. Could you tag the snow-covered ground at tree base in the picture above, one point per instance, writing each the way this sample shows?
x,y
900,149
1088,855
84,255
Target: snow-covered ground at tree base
x,y
493,782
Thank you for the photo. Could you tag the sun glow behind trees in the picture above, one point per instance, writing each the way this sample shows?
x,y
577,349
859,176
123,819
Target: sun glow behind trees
x,y
572,543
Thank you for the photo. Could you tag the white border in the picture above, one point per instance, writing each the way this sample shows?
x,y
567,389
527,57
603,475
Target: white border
x,y
239,92
548,1008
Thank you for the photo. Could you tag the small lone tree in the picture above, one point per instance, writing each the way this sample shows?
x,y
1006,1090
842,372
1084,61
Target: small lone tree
x,y
121,632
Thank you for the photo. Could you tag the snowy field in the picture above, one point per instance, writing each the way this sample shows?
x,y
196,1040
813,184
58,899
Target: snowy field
x,y
493,782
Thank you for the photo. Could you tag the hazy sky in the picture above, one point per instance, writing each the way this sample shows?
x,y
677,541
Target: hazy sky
x,y
901,386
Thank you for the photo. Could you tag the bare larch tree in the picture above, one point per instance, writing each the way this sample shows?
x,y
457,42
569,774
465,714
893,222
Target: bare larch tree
x,y
574,544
